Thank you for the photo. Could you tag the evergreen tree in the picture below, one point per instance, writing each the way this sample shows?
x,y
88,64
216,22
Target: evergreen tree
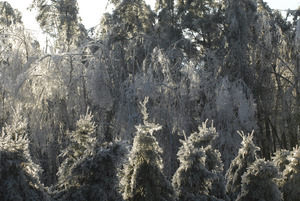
x,y
202,21
130,18
60,20
8,15
19,175
142,178
240,17
213,160
258,182
90,170
290,184
245,158
167,29
199,174
129,40
281,159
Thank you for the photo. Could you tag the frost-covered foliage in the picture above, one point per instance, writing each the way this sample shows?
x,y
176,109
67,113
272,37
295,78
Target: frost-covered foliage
x,y
60,20
83,140
90,170
246,157
8,15
19,175
201,21
84,134
199,176
18,51
240,17
233,61
281,159
142,177
232,107
173,100
94,175
213,160
258,182
290,184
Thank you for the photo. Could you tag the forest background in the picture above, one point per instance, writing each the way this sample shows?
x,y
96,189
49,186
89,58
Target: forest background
x,y
233,62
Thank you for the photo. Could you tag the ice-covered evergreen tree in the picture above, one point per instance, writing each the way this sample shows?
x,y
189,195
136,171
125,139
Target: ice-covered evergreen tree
x,y
258,182
290,184
281,159
142,178
82,140
213,160
89,171
245,158
19,175
199,174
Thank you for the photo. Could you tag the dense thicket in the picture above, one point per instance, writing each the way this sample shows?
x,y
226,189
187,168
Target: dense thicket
x,y
89,170
235,62
19,175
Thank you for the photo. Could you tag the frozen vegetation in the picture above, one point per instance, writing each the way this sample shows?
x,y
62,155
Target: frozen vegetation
x,y
189,101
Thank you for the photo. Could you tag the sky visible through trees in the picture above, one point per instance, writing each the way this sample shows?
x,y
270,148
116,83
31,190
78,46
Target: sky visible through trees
x,y
91,14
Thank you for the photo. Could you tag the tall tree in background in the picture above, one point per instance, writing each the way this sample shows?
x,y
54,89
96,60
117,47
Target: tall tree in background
x,y
124,47
18,53
9,16
58,88
167,29
291,69
130,38
202,22
266,41
60,20
142,178
9,20
240,20
58,82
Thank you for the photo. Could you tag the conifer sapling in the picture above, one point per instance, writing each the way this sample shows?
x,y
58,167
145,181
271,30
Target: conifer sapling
x,y
200,166
258,182
245,158
89,171
290,184
142,178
